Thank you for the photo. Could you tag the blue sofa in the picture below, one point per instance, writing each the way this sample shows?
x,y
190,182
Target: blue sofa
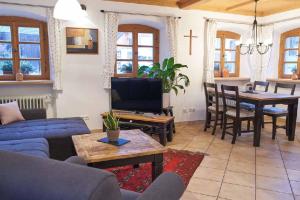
x,y
23,135
26,177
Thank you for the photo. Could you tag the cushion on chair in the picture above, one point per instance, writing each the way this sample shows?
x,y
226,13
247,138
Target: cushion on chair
x,y
243,113
247,106
35,147
275,110
213,108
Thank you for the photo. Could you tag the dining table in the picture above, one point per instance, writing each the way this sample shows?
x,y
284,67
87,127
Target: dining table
x,y
261,99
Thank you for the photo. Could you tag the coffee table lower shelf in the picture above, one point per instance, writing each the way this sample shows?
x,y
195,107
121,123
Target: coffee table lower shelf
x,y
156,160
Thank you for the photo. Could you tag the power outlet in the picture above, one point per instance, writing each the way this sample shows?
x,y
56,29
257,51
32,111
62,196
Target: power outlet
x,y
192,110
185,110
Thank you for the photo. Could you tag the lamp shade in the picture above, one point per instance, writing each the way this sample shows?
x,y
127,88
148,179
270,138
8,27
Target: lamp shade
x,y
67,10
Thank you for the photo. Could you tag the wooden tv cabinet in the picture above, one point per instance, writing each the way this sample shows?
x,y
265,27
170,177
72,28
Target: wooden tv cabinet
x,y
163,125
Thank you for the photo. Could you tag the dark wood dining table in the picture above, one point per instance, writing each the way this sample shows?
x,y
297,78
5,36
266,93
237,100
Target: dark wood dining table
x,y
261,99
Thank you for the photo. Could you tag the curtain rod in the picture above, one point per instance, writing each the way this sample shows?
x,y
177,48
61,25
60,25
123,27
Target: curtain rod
x,y
228,21
130,13
25,4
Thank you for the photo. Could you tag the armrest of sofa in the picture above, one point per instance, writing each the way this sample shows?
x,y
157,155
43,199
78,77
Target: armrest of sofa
x,y
30,114
168,186
76,160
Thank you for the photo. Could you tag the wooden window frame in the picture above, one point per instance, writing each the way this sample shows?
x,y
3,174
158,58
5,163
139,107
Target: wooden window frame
x,y
14,23
284,36
135,29
228,35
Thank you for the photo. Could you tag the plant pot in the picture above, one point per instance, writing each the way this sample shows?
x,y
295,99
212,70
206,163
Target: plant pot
x,y
294,76
166,100
113,136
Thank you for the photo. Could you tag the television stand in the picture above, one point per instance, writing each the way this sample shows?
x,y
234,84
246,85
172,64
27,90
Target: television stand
x,y
163,125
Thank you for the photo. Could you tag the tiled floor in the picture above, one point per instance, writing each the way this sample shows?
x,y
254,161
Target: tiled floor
x,y
240,171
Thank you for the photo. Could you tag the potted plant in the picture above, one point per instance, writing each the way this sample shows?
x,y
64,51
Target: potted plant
x,y
294,75
7,68
168,72
111,122
26,68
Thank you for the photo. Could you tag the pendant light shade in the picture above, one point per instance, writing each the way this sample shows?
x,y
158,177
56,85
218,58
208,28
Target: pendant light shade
x,y
67,10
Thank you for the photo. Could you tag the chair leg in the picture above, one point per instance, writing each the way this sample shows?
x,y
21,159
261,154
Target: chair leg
x,y
274,120
207,121
221,125
287,126
224,127
248,125
236,125
215,124
263,122
239,129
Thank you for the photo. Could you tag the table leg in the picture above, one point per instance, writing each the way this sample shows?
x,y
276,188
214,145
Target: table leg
x,y
257,124
171,113
163,134
170,133
157,166
292,118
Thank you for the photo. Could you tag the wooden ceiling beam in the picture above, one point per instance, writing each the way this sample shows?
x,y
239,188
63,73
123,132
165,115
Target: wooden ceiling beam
x,y
186,3
240,5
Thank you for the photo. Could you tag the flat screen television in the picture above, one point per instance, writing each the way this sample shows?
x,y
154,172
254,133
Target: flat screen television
x,y
136,94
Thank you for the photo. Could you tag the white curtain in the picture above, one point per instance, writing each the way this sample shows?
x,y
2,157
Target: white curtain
x,y
110,35
172,28
209,56
55,29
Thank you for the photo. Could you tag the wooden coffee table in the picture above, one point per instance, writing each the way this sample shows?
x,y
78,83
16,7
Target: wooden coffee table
x,y
141,149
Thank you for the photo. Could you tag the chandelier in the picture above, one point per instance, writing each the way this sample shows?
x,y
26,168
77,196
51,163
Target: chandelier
x,y
253,43
69,10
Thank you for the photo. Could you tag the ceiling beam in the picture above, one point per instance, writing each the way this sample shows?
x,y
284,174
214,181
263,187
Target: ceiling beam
x,y
240,5
186,3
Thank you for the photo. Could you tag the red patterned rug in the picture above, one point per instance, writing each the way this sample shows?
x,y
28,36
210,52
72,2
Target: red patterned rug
x,y
183,163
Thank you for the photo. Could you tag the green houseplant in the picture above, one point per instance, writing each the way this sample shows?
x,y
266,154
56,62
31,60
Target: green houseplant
x,y
171,77
7,67
111,122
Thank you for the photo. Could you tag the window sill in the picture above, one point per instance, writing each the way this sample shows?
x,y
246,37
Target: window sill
x,y
29,82
274,80
232,79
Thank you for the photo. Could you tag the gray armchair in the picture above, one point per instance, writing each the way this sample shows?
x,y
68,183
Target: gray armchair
x,y
25,177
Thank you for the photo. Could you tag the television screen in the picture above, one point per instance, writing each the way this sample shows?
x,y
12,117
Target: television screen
x,y
136,94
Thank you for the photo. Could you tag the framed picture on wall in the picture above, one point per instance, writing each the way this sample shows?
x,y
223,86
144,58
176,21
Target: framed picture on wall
x,y
82,40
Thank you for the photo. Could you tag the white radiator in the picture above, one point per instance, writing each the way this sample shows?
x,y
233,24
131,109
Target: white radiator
x,y
28,102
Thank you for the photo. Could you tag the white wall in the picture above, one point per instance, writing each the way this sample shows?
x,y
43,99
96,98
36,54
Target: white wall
x,y
83,94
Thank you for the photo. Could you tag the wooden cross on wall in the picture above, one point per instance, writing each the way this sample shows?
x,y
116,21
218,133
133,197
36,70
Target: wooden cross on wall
x,y
191,36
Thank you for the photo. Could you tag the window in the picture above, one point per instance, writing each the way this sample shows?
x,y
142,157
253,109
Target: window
x,y
289,54
227,54
137,45
23,48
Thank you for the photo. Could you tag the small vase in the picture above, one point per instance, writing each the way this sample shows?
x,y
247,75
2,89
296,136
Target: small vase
x,y
113,136
225,73
166,100
294,76
19,77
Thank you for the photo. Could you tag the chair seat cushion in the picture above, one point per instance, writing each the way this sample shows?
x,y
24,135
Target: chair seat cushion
x,y
35,147
43,128
243,113
275,111
213,108
247,106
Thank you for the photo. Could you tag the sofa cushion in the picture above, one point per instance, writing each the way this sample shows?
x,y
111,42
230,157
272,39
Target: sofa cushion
x,y
43,128
35,147
10,112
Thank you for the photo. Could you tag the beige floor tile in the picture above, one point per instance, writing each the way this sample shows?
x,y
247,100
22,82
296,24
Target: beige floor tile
x,y
296,187
237,192
270,171
291,147
290,156
240,179
202,186
245,167
218,153
269,162
214,163
195,196
274,184
264,153
294,175
297,197
271,195
292,164
209,173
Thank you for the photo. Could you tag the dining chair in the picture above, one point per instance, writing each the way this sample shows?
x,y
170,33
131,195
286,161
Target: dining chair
x,y
276,112
213,107
258,86
232,111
